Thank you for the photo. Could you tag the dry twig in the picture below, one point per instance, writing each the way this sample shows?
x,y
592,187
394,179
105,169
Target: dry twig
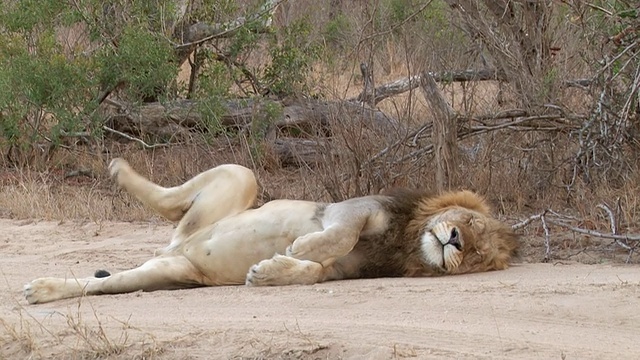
x,y
139,141
547,240
550,217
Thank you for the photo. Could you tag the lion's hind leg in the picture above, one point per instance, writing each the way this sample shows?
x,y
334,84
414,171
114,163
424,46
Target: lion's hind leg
x,y
208,197
284,270
161,273
174,202
222,197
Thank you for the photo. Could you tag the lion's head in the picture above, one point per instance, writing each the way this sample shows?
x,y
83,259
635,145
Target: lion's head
x,y
459,235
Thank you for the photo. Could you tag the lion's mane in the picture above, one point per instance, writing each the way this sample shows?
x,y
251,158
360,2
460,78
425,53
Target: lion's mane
x,y
489,244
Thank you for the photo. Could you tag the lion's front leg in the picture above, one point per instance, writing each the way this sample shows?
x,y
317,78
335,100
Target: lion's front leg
x,y
323,247
342,225
283,270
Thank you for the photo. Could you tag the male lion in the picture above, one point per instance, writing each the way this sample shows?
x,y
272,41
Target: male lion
x,y
219,240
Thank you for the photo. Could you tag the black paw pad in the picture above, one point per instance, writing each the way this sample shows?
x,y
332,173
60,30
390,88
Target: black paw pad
x,y
101,273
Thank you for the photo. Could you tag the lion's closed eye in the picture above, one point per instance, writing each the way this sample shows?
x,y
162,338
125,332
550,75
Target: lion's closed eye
x,y
477,224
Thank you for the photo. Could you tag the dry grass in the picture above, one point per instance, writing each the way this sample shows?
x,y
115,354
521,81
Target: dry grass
x,y
80,333
32,195
75,337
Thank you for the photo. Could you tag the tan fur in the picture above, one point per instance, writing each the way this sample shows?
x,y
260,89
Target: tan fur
x,y
220,240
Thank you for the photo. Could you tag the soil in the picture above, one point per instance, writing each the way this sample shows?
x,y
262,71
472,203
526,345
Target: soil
x,y
532,310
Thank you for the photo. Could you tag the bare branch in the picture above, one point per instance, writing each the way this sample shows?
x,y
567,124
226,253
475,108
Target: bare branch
x,y
596,233
612,218
409,83
527,221
413,134
546,220
558,222
140,141
403,85
547,241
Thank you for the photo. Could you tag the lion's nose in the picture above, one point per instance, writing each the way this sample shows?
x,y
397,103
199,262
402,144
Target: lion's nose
x,y
454,239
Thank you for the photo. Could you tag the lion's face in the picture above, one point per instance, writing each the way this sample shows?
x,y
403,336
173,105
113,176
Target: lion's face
x,y
443,245
463,241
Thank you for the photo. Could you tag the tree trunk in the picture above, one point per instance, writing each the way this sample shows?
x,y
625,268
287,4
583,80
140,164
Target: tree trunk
x,y
445,134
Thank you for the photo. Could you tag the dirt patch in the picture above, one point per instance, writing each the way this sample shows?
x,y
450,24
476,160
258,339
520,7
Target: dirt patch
x,y
529,311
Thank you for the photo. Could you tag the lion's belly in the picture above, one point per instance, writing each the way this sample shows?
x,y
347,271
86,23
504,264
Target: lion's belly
x,y
225,251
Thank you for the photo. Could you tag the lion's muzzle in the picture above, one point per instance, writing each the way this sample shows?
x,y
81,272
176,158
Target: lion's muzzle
x,y
442,246
454,239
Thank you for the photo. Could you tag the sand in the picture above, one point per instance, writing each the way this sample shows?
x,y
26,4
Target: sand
x,y
537,311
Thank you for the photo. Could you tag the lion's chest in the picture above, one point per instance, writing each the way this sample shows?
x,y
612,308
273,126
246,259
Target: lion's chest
x,y
385,253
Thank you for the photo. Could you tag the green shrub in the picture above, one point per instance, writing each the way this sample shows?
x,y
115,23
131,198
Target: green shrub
x,y
292,57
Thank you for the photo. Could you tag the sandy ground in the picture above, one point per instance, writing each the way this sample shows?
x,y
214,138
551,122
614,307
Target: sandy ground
x,y
539,311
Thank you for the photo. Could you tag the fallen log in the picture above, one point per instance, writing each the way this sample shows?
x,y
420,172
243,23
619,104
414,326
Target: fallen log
x,y
176,119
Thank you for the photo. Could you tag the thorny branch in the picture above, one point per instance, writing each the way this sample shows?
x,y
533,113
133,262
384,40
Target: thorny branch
x,y
550,217
511,119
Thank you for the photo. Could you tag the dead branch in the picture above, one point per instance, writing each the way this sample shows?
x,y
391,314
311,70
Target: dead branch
x,y
530,123
522,118
416,154
80,172
409,83
537,122
129,137
180,120
628,237
403,85
526,222
414,134
617,39
612,218
560,221
547,241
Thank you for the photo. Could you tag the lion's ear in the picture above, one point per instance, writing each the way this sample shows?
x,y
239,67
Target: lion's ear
x,y
478,224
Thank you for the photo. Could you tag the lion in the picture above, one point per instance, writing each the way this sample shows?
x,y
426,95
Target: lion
x,y
222,239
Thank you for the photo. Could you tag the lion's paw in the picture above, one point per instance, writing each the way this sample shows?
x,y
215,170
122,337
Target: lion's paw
x,y
43,290
283,270
266,272
302,247
116,166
